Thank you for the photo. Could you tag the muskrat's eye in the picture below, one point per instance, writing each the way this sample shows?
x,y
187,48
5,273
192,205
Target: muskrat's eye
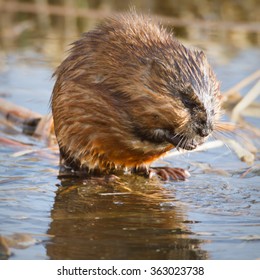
x,y
189,104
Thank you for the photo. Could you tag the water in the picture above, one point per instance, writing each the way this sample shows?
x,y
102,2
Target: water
x,y
213,215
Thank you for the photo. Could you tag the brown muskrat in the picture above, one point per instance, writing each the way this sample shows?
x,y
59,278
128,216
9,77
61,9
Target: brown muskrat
x,y
127,93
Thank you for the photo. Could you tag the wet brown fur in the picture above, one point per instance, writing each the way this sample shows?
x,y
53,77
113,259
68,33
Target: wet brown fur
x,y
125,90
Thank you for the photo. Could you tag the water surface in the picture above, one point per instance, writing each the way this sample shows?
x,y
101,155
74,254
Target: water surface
x,y
212,215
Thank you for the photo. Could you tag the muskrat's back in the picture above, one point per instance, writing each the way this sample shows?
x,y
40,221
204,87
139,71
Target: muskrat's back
x,y
127,93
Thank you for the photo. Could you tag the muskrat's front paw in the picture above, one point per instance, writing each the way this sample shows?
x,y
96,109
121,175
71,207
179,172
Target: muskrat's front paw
x,y
169,173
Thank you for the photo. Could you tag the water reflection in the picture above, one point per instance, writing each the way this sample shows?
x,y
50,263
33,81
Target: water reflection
x,y
126,219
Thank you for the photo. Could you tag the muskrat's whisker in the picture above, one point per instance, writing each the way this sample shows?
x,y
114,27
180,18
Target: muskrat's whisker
x,y
240,137
185,143
181,141
221,139
227,134
228,129
225,126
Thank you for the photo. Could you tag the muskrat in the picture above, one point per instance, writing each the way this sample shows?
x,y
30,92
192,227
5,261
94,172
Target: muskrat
x,y
127,93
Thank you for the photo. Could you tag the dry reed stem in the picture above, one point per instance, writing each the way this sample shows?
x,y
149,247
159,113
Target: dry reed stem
x,y
16,113
246,101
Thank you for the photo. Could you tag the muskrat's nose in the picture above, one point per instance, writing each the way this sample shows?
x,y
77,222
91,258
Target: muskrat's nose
x,y
203,129
203,132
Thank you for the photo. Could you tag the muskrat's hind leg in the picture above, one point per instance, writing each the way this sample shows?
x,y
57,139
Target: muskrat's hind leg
x,y
169,173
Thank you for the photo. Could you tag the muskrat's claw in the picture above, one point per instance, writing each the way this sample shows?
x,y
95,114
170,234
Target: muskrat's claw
x,y
169,173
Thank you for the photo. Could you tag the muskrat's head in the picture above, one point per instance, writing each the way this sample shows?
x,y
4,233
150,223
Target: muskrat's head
x,y
180,103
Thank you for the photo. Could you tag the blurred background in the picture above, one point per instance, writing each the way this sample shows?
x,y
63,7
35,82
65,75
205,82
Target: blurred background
x,y
48,24
36,33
